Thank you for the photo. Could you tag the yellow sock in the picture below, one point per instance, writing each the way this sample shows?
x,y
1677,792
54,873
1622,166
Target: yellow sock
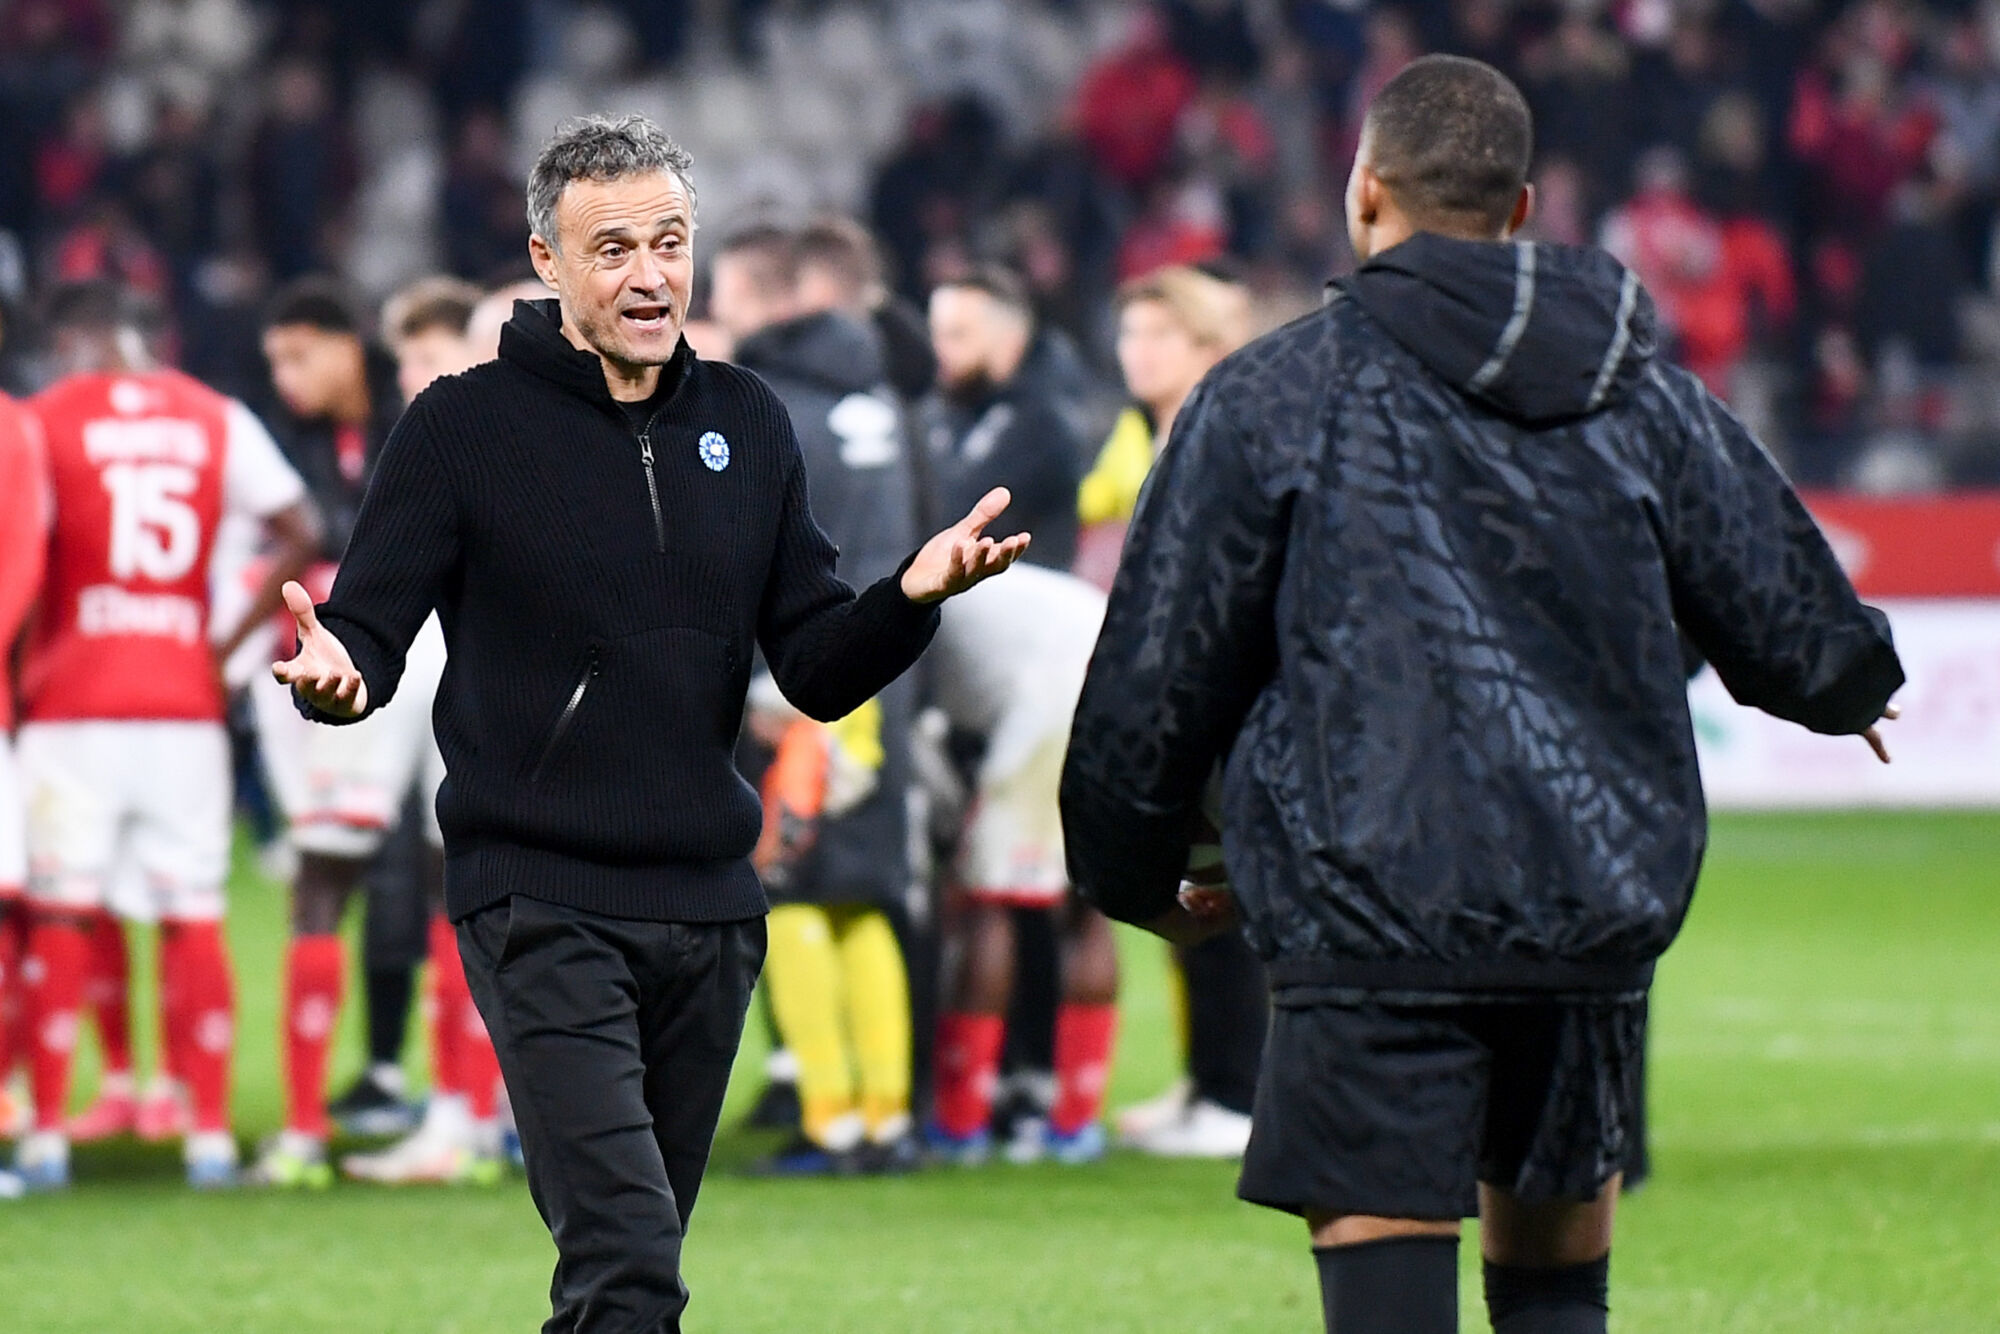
x,y
803,970
878,1010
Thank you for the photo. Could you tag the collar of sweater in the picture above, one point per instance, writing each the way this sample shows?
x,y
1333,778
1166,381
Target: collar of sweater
x,y
533,340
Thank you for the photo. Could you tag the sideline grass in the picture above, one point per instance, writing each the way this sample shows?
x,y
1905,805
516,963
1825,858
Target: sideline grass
x,y
1826,1108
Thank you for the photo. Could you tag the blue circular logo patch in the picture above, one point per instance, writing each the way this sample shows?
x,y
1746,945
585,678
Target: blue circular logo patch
x,y
714,451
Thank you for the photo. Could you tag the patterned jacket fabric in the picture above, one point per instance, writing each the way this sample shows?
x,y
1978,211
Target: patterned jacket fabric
x,y
1415,569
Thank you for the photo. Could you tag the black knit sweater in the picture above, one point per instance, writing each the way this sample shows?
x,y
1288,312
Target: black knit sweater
x,y
601,592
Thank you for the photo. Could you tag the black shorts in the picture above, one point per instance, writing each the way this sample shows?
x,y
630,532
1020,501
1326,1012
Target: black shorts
x,y
1399,1110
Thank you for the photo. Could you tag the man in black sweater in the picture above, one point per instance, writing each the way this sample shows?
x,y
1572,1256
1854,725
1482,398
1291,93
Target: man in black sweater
x,y
608,526
1414,568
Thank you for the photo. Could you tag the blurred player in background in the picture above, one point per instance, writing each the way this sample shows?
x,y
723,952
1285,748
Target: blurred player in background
x,y
835,851
123,752
986,426
1006,667
840,268
1173,325
23,550
425,326
343,789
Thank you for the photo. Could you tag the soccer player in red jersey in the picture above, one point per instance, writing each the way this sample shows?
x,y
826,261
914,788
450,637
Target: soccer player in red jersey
x,y
122,749
23,530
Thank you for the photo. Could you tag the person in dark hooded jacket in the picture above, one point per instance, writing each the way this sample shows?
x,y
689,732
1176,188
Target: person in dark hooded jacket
x,y
835,851
1413,570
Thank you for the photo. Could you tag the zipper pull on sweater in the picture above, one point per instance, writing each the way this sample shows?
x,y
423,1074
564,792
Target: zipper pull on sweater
x,y
653,488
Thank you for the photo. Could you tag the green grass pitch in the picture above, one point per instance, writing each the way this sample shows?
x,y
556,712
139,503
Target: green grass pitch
x,y
1826,1108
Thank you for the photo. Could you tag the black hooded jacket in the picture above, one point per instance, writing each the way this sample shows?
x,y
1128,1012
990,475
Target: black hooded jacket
x,y
1413,566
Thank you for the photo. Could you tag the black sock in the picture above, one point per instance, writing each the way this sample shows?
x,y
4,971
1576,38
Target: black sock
x,y
389,992
1399,1285
1574,1299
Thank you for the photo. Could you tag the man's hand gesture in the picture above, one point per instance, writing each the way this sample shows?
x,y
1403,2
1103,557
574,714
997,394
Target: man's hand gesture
x,y
959,557
322,672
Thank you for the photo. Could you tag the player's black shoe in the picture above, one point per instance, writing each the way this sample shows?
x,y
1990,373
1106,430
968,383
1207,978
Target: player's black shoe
x,y
373,1106
776,1108
901,1155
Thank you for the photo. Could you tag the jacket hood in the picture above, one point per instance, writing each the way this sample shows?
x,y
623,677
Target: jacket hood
x,y
835,351
1538,332
533,340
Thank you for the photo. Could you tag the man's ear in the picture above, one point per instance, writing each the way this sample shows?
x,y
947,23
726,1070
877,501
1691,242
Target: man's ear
x,y
1524,208
1369,195
543,257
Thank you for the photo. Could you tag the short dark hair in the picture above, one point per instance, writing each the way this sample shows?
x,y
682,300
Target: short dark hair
x,y
772,253
1452,139
843,246
99,305
429,303
315,301
1000,283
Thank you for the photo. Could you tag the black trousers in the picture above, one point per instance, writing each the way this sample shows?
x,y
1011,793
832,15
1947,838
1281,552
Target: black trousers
x,y
616,1039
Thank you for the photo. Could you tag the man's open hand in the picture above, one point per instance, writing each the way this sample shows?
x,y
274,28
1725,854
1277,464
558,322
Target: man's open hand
x,y
322,672
1201,913
959,557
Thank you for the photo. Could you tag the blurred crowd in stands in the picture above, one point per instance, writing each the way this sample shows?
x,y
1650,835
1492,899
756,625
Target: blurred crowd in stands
x,y
1809,189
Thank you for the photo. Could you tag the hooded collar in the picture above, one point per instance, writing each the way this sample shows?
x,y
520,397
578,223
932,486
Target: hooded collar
x,y
1538,332
829,348
533,340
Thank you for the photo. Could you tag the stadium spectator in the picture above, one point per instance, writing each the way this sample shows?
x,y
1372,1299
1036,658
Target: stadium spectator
x,y
122,749
1129,104
1459,876
340,791
609,917
834,854
989,423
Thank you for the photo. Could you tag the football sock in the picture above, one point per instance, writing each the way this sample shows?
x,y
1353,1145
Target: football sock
x,y
108,992
803,970
57,967
315,974
479,1064
1084,1038
447,981
13,1004
968,1066
1399,1285
878,1013
390,991
195,955
1573,1299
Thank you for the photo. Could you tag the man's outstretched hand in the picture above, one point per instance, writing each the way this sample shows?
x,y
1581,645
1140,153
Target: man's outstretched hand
x,y
1873,736
960,557
322,672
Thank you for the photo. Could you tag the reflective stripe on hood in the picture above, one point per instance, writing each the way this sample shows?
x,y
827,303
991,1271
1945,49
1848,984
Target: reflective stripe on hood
x,y
1539,332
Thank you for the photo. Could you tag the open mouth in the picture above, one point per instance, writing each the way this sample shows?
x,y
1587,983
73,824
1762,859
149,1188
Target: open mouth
x,y
647,318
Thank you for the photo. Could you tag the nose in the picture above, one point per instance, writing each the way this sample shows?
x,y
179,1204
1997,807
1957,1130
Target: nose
x,y
649,274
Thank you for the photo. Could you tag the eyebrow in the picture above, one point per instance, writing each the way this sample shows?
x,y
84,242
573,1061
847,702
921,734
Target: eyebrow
x,y
611,230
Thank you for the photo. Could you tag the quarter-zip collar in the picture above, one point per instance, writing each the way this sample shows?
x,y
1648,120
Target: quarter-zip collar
x,y
533,340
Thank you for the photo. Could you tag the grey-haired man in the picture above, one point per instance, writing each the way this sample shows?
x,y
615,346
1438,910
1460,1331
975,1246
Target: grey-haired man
x,y
607,526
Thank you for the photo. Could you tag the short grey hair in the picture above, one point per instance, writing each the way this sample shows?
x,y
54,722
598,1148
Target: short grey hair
x,y
600,148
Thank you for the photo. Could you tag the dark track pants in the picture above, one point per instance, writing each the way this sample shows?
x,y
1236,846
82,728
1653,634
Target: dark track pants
x,y
616,1040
